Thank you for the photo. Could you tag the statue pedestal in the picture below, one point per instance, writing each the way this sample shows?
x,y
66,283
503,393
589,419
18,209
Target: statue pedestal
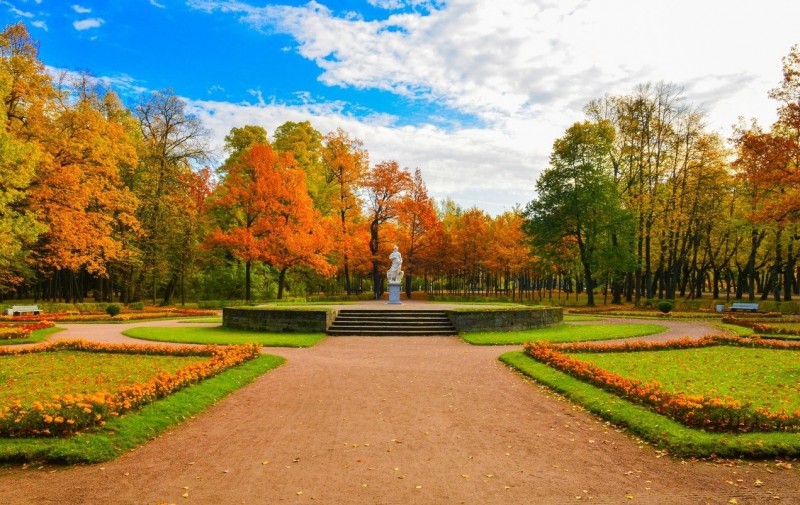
x,y
394,293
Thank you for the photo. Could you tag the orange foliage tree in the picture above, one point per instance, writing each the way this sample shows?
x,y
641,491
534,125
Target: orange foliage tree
x,y
264,213
386,186
346,162
417,218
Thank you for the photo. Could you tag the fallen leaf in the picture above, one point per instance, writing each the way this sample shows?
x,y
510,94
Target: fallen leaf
x,y
265,462
733,501
758,483
299,493
185,495
629,496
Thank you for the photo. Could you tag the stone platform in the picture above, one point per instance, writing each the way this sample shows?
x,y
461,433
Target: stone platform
x,y
358,321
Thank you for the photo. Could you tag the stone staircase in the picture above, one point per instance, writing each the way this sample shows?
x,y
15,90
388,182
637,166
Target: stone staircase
x,y
391,323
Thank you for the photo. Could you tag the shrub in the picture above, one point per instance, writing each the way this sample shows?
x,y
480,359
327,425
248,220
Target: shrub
x,y
665,306
136,306
113,310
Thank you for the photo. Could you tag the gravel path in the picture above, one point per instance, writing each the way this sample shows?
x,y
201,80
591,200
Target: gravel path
x,y
419,420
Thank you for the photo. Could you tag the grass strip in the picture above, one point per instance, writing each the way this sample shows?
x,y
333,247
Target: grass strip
x,y
206,319
568,318
219,335
658,430
563,333
134,429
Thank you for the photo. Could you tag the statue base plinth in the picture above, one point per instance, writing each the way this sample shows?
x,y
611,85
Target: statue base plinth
x,y
394,293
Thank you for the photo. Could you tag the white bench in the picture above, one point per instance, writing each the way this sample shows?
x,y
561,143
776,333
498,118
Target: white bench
x,y
18,310
747,307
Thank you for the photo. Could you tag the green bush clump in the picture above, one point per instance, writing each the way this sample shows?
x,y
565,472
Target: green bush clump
x,y
136,306
665,306
113,309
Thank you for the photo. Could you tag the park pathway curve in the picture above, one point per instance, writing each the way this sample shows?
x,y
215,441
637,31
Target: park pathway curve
x,y
396,420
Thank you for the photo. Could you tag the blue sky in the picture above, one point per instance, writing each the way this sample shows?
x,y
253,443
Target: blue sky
x,y
473,92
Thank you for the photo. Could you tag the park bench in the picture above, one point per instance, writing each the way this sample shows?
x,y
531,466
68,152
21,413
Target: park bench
x,y
18,310
747,307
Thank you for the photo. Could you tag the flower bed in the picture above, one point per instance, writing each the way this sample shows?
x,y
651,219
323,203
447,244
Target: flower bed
x,y
67,414
762,328
709,413
11,331
97,316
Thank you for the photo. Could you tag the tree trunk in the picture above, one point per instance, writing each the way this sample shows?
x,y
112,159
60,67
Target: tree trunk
x,y
281,282
247,265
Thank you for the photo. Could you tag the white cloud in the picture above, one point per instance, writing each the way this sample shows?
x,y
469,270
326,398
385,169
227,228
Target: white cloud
x,y
19,12
86,24
80,9
40,24
156,4
399,4
526,68
472,166
123,84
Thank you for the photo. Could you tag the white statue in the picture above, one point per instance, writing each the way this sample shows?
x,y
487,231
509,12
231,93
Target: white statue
x,y
395,275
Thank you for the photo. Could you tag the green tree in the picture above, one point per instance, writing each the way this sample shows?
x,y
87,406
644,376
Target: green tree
x,y
577,199
173,140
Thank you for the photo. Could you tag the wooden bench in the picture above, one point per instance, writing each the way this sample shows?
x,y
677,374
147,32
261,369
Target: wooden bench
x,y
747,307
18,310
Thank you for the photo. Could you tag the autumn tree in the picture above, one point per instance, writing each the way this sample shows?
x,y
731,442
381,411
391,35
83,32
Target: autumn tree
x,y
417,219
19,228
264,213
173,140
346,162
511,251
26,92
79,190
469,246
385,187
305,144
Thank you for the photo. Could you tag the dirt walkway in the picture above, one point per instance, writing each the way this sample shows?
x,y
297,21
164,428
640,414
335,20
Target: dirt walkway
x,y
396,421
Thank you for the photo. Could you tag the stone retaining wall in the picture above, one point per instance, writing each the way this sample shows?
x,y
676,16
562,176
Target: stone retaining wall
x,y
282,321
506,319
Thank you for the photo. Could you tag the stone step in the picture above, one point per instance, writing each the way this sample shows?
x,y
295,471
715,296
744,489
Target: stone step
x,y
390,331
391,323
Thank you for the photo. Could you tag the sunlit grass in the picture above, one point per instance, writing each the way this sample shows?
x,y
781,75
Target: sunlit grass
x,y
766,377
42,375
219,335
563,333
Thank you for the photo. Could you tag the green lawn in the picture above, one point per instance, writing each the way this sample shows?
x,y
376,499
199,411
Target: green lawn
x,y
35,337
563,333
41,375
134,429
219,335
654,428
766,377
